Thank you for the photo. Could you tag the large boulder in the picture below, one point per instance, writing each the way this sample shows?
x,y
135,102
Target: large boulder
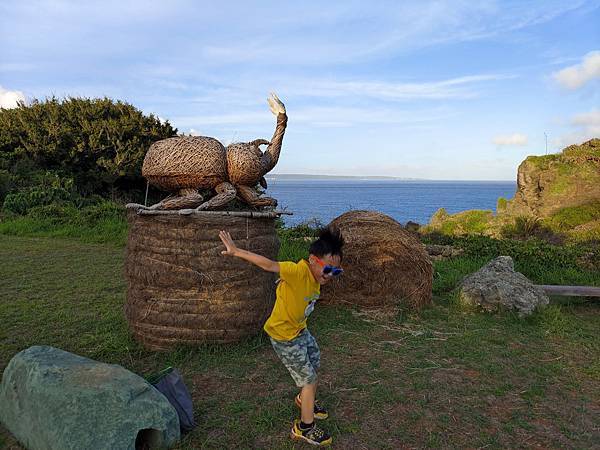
x,y
497,286
383,264
52,399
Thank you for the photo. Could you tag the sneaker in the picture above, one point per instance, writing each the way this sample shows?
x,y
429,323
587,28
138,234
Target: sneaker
x,y
320,411
313,436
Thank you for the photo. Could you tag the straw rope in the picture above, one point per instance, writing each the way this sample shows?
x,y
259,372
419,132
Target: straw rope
x,y
181,290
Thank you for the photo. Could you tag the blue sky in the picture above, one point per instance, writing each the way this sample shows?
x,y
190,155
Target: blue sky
x,y
428,89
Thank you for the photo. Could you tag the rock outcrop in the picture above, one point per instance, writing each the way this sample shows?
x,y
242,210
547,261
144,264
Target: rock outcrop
x,y
497,286
54,400
559,193
546,184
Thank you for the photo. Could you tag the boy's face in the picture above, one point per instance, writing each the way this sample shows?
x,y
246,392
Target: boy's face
x,y
317,269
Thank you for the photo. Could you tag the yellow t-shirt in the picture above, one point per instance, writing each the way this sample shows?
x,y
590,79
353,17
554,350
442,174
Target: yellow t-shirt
x,y
297,293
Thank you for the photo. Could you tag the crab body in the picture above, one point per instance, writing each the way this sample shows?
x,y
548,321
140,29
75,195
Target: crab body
x,y
193,162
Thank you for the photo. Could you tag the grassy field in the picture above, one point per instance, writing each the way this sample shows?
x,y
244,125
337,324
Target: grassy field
x,y
441,379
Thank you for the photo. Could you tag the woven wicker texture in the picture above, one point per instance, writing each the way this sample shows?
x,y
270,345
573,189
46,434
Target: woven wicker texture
x,y
185,162
244,164
383,264
181,290
200,162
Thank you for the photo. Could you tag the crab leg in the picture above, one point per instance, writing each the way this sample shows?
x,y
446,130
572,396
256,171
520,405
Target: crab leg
x,y
250,196
225,193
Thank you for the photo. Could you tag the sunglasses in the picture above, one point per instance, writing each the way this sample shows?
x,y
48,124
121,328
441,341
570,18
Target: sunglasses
x,y
329,269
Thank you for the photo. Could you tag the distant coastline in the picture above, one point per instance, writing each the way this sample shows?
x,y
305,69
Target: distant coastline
x,y
305,176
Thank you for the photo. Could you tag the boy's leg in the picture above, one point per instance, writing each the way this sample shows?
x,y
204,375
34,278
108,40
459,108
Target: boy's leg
x,y
314,355
307,395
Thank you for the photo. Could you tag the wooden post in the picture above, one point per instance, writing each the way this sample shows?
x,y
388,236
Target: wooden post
x,y
575,291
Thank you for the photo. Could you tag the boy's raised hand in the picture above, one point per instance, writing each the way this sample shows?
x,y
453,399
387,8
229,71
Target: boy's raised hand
x,y
231,248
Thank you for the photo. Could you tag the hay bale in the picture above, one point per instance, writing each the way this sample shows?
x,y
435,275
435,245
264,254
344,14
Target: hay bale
x,y
383,264
181,290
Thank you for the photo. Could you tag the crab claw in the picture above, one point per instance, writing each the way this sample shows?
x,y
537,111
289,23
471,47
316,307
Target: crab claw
x,y
276,105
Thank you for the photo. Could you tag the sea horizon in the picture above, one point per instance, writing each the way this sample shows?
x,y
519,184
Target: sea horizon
x,y
306,176
324,199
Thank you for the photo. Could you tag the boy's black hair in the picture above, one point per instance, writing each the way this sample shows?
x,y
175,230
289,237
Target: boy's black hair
x,y
330,242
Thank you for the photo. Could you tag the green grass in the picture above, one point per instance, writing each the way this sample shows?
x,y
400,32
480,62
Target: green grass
x,y
100,223
443,378
570,217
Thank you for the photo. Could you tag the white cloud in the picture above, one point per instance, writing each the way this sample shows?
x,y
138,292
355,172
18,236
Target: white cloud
x,y
516,139
589,121
587,126
9,99
573,77
317,116
460,87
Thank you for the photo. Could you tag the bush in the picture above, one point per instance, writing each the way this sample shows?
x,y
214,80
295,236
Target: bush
x,y
567,218
104,210
523,227
99,143
473,221
55,213
49,188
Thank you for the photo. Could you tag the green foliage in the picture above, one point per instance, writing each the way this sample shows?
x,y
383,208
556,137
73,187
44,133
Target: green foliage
x,y
474,221
48,188
501,204
295,241
101,221
572,216
99,143
587,151
523,227
537,259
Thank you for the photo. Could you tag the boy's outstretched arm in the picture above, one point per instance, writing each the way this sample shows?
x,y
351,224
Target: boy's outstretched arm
x,y
233,250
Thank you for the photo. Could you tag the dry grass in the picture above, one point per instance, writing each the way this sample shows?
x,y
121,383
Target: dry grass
x,y
384,264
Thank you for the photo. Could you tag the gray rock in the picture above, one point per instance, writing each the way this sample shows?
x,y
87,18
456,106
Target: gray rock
x,y
412,226
52,399
496,285
439,252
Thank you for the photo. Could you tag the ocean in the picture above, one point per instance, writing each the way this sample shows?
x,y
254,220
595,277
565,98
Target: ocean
x,y
403,200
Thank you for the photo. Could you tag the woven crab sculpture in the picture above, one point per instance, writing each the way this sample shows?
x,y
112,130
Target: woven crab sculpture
x,y
185,164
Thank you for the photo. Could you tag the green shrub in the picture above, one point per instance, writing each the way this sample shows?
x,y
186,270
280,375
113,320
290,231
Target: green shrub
x,y
295,241
49,188
572,216
99,143
501,204
539,260
55,213
104,210
473,221
523,227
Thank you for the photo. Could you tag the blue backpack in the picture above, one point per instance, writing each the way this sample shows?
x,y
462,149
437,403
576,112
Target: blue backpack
x,y
170,384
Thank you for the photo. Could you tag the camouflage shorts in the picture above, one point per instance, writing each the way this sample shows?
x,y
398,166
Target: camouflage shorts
x,y
301,356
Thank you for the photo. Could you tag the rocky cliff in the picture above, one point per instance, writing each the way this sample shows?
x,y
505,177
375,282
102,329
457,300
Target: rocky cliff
x,y
546,184
559,192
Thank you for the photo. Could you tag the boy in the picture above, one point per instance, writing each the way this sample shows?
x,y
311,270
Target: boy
x,y
297,291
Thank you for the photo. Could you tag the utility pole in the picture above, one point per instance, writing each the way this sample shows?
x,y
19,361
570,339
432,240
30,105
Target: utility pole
x,y
546,136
